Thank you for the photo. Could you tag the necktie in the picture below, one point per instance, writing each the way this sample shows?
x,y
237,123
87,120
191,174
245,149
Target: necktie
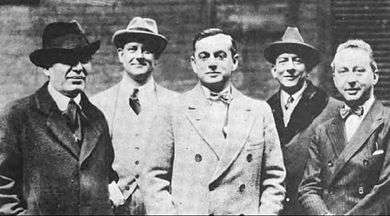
x,y
134,101
225,97
290,100
73,114
345,111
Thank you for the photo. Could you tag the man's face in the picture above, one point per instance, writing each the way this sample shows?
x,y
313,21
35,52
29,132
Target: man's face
x,y
212,60
353,76
137,59
69,80
289,70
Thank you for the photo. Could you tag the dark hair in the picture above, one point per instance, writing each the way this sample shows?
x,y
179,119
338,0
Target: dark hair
x,y
211,32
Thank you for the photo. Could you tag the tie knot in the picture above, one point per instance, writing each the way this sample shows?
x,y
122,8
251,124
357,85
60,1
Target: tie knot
x,y
289,101
225,96
345,111
134,95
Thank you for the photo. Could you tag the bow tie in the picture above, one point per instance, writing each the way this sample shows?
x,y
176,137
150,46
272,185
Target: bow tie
x,y
345,111
225,97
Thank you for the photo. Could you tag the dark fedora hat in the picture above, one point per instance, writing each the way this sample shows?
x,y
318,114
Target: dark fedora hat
x,y
141,30
63,42
292,42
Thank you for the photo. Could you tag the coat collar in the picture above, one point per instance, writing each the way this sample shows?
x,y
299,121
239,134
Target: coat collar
x,y
370,123
311,104
239,124
57,125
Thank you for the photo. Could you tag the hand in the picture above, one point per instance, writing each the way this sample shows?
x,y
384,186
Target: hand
x,y
116,195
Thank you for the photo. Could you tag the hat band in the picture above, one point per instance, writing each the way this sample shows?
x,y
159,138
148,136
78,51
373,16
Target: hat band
x,y
69,41
141,29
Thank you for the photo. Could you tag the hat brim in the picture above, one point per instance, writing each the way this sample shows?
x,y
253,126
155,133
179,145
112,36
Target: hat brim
x,y
156,42
310,54
47,57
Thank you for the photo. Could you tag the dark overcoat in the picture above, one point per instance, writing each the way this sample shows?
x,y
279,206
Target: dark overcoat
x,y
313,108
43,170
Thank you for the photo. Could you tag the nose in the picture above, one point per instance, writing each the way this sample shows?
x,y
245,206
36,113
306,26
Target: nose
x,y
291,71
139,53
352,84
213,67
78,68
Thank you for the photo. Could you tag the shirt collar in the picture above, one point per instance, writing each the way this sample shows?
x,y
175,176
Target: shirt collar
x,y
61,100
366,106
207,92
284,95
148,87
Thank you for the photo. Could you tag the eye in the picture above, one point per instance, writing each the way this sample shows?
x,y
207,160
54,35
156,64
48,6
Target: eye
x,y
85,59
220,55
132,48
281,60
360,70
203,55
341,70
298,60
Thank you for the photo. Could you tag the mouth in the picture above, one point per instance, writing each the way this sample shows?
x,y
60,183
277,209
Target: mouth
x,y
290,77
76,80
352,91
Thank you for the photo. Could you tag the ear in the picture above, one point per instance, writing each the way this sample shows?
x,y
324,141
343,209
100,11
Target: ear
x,y
273,71
46,72
235,61
120,53
376,77
193,64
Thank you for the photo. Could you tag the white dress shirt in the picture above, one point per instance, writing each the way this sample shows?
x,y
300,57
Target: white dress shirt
x,y
61,100
284,96
353,122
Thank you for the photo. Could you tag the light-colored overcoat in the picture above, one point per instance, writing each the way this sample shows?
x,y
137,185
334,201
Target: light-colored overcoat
x,y
188,174
128,132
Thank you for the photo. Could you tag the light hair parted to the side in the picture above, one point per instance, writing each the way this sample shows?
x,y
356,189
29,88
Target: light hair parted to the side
x,y
356,44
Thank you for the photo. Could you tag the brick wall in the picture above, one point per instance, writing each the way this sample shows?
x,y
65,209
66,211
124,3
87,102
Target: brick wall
x,y
254,23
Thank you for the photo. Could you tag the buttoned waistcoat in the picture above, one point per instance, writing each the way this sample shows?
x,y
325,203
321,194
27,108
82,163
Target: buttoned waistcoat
x,y
128,132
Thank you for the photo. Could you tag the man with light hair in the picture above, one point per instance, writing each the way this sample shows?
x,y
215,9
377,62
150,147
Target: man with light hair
x,y
349,167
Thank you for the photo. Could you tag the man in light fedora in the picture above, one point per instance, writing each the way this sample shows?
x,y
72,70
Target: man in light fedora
x,y
295,106
130,105
55,150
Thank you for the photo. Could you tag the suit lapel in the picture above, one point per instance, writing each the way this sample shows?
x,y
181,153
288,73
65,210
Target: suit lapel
x,y
277,112
336,135
196,112
239,126
370,123
55,122
92,128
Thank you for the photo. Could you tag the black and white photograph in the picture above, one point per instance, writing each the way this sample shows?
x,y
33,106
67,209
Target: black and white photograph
x,y
195,107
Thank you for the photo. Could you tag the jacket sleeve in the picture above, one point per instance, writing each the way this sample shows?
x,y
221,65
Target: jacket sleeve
x,y
273,170
157,173
311,187
377,201
10,163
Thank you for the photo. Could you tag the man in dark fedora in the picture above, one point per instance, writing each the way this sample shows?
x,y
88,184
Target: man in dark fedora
x,y
295,106
55,150
131,105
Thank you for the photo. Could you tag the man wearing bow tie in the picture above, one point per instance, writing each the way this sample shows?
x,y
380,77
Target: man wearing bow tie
x,y
348,171
216,151
131,105
295,106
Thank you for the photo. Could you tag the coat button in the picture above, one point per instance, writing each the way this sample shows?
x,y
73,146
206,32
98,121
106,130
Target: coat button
x,y
127,187
361,190
365,162
136,176
330,163
136,162
241,188
249,157
198,158
287,199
